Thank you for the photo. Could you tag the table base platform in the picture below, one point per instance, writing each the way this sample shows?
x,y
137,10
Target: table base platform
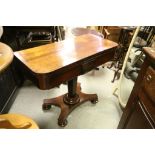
x,y
67,104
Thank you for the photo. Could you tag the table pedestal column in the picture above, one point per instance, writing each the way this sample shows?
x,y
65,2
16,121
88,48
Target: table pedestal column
x,y
68,102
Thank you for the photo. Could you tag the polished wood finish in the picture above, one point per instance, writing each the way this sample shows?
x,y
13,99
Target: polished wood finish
x,y
68,104
66,59
6,56
149,83
51,57
150,53
50,65
138,118
17,121
111,32
140,110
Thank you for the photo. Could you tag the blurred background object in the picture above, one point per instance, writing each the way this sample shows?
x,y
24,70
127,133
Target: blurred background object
x,y
1,31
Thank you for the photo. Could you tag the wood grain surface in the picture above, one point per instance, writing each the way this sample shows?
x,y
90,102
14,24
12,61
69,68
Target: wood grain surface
x,y
51,57
6,56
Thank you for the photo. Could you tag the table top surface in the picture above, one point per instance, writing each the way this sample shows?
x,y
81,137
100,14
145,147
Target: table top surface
x,y
50,57
6,56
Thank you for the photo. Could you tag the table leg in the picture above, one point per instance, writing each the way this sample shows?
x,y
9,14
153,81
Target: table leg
x,y
68,102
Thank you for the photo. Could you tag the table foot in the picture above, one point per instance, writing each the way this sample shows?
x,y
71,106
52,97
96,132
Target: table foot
x,y
67,108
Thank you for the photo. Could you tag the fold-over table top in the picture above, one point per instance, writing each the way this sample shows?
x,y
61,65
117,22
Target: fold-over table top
x,y
50,57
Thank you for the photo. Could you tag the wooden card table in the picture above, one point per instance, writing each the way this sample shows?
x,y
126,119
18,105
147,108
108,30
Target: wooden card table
x,y
52,64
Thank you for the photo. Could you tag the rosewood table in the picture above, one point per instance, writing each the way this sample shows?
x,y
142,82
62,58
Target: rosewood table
x,y
52,64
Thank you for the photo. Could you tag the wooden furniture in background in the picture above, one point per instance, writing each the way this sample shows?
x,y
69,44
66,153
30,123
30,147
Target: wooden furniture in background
x,y
140,110
22,37
7,89
123,44
8,80
52,64
16,121
6,56
110,32
104,31
81,31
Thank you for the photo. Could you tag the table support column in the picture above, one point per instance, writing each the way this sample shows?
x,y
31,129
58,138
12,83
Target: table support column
x,y
69,101
72,97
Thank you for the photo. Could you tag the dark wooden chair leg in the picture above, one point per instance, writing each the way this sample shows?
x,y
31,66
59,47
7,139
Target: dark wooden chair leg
x,y
115,74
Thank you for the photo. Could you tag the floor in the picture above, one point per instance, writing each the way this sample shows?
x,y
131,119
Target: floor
x,y
104,115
